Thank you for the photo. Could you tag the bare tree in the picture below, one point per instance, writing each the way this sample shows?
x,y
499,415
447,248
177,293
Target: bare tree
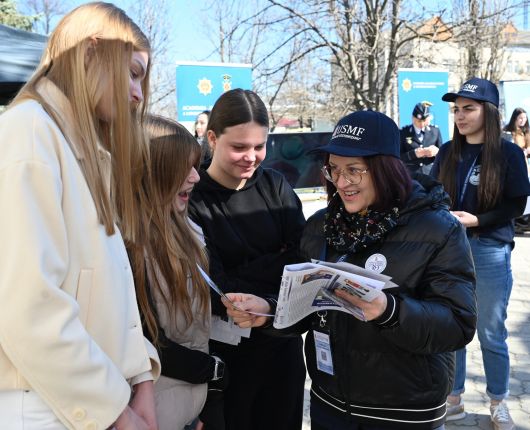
x,y
345,53
243,35
239,29
363,41
479,32
152,17
46,11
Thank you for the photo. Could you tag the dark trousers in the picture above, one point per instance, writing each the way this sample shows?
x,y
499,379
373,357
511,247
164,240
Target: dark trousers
x,y
266,386
316,426
323,418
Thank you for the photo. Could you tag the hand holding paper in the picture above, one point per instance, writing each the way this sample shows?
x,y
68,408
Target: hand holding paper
x,y
312,287
247,310
371,310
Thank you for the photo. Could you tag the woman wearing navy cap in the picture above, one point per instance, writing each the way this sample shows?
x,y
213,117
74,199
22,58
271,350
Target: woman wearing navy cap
x,y
394,370
488,191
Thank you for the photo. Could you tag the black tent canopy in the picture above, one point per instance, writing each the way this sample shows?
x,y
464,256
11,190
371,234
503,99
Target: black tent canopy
x,y
20,53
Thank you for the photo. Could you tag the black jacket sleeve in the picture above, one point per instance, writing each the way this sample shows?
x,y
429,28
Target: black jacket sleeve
x,y
444,317
506,211
439,141
407,152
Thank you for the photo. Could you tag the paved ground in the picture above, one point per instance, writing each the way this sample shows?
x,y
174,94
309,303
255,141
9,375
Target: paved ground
x,y
476,401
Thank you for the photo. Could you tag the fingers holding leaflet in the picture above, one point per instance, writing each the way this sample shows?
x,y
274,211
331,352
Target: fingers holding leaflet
x,y
371,310
243,307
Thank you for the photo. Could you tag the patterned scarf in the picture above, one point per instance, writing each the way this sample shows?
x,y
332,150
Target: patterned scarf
x,y
349,233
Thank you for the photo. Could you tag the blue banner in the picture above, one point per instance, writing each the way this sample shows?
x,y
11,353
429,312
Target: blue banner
x,y
516,94
415,86
199,85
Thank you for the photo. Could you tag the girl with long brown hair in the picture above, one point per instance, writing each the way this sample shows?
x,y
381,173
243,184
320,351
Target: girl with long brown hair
x,y
168,257
72,352
487,180
518,131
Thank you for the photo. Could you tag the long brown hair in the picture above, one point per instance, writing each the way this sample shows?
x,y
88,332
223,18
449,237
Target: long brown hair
x,y
111,37
167,247
512,126
489,189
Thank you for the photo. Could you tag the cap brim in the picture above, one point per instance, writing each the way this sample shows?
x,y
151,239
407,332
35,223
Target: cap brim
x,y
343,151
450,97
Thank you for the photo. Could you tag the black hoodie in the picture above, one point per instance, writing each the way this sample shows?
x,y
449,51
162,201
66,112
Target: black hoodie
x,y
250,233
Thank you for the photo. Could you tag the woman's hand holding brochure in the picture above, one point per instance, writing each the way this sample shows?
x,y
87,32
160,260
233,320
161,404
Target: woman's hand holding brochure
x,y
371,310
247,310
310,287
224,330
320,285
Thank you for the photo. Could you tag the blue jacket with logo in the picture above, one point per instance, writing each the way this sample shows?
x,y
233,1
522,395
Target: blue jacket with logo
x,y
399,373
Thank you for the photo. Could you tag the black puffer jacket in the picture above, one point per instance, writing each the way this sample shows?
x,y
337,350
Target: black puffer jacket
x,y
400,375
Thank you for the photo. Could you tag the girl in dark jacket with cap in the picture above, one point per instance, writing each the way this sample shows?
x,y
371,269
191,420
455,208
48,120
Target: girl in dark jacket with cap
x,y
393,371
487,180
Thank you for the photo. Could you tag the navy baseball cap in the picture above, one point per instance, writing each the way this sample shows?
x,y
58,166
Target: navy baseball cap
x,y
476,89
364,133
421,110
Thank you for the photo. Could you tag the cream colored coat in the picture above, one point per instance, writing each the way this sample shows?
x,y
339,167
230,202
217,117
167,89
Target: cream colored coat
x,y
69,323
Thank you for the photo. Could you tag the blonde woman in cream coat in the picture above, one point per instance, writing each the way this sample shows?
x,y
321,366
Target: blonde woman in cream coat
x,y
72,352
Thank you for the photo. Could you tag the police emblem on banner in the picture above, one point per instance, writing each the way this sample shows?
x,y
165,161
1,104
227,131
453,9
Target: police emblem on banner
x,y
205,86
227,82
406,85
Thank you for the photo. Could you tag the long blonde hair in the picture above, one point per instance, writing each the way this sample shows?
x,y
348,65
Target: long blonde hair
x,y
112,37
167,245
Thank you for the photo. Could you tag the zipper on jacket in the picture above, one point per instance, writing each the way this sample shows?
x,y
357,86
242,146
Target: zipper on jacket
x,y
346,380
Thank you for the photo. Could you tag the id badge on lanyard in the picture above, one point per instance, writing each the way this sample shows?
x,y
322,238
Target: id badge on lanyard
x,y
323,346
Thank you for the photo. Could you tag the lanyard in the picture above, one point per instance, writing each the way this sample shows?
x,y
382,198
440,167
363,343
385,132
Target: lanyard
x,y
466,181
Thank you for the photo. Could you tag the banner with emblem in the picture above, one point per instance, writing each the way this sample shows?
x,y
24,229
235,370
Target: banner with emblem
x,y
199,85
419,85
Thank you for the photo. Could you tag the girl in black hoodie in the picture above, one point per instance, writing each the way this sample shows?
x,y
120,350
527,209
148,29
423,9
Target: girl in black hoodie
x,y
252,221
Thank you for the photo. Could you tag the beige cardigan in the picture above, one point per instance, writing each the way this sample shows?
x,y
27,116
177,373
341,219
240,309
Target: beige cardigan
x,y
179,402
69,323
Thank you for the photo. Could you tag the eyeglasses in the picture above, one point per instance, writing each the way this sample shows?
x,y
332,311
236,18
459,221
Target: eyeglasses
x,y
352,175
